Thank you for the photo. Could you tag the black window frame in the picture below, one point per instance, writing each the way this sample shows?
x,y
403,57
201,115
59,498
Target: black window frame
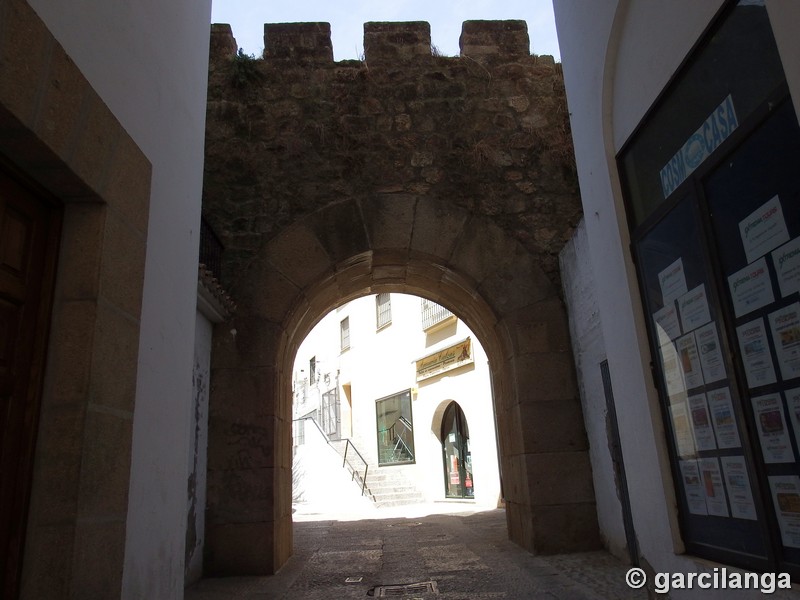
x,y
691,193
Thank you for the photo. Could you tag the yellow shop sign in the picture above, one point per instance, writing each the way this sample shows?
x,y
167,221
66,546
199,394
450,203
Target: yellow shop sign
x,y
445,360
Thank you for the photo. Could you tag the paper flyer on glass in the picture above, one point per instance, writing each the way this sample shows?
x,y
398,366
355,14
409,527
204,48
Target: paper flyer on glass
x,y
693,307
724,419
710,353
710,474
786,261
786,498
764,229
701,423
793,405
690,361
693,487
785,326
738,483
751,288
667,324
755,354
683,431
772,432
672,281
673,374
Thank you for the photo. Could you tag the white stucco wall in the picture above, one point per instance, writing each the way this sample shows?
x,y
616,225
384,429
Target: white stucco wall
x,y
148,61
617,57
381,363
589,350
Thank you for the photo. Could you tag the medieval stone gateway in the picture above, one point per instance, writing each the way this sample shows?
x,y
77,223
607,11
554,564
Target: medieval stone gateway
x,y
448,178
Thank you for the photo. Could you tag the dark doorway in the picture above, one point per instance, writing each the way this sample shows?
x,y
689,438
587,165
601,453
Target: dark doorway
x,y
28,241
458,479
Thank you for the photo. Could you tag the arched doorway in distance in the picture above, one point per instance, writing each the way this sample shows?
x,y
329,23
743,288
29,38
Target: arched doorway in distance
x,y
458,476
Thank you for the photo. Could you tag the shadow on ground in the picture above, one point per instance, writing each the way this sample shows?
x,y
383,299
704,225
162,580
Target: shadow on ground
x,y
467,555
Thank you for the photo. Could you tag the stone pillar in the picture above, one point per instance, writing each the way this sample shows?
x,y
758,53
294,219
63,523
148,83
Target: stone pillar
x,y
547,473
247,450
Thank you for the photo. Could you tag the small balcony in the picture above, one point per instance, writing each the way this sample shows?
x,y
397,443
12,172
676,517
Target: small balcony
x,y
435,316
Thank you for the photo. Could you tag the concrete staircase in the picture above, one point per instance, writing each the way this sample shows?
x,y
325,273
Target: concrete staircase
x,y
386,486
389,487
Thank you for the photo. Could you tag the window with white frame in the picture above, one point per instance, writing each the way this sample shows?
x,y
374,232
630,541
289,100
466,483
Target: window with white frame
x,y
383,310
344,333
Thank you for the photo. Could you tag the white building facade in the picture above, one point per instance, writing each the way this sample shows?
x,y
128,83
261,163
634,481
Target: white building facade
x,y
682,282
408,383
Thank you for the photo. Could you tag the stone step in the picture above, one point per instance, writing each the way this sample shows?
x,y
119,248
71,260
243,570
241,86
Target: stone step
x,y
386,487
398,499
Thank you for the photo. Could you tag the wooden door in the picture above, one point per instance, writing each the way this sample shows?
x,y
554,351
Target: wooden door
x,y
29,228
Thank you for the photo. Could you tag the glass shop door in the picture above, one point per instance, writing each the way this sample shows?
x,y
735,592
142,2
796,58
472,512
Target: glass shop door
x,y
458,479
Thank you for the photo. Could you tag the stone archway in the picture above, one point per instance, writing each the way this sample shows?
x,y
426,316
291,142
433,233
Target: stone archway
x,y
409,173
487,278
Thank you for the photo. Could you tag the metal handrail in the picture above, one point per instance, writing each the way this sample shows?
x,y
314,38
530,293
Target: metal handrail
x,y
366,464
400,440
314,421
347,445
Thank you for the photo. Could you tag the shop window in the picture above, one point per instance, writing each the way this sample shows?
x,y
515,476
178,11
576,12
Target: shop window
x,y
395,429
713,196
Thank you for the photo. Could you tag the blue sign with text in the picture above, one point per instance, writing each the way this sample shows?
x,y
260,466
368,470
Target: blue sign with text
x,y
715,130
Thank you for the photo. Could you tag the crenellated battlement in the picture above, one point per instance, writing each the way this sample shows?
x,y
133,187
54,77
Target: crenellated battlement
x,y
294,130
298,41
384,42
397,41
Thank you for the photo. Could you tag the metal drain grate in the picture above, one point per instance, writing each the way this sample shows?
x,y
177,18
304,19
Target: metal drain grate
x,y
406,589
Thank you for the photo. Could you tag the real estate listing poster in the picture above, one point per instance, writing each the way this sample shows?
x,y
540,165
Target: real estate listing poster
x,y
671,368
710,353
764,229
786,261
724,419
785,326
690,361
786,498
754,349
772,432
694,309
738,483
672,281
711,476
793,405
684,441
667,325
751,288
693,487
701,423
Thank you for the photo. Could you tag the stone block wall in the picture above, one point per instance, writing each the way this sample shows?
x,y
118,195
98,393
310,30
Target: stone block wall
x,y
446,177
295,131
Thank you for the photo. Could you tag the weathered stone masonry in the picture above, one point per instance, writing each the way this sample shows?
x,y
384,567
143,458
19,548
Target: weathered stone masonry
x,y
488,131
446,177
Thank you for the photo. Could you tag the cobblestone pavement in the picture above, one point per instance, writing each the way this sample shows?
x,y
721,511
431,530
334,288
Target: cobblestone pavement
x,y
464,555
